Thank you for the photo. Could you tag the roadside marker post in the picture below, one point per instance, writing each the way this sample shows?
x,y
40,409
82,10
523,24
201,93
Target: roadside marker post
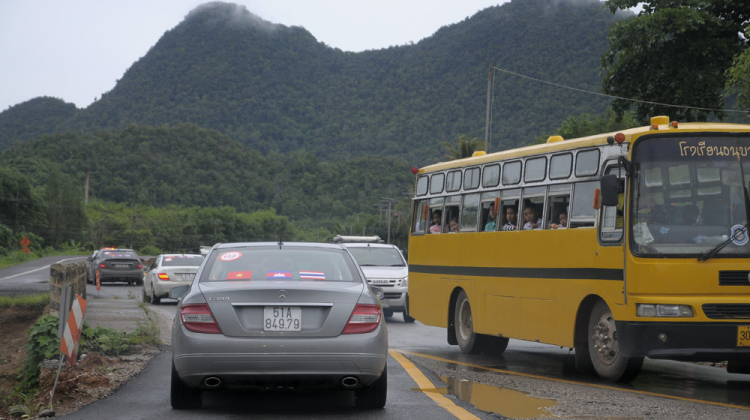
x,y
71,337
98,284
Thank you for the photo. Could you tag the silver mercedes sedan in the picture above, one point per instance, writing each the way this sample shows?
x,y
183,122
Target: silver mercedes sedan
x,y
264,315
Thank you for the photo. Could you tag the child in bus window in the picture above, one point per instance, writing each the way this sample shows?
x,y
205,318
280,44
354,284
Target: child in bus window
x,y
511,217
454,225
563,221
531,216
436,219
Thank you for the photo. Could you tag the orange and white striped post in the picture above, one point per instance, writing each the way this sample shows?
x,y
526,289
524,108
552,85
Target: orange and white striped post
x,y
72,334
71,337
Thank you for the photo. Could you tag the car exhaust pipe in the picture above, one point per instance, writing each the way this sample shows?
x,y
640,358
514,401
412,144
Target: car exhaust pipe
x,y
350,382
212,382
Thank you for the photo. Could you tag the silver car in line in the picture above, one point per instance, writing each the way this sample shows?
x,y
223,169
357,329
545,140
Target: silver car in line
x,y
267,315
168,271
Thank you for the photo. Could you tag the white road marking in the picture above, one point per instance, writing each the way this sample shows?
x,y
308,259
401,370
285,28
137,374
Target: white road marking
x,y
37,269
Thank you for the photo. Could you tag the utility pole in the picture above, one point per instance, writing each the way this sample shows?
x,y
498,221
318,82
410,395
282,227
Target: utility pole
x,y
86,189
489,111
15,225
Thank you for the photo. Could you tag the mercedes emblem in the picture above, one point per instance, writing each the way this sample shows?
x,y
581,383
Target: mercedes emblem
x,y
282,294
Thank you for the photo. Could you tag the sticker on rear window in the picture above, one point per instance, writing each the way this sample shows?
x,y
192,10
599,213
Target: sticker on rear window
x,y
230,256
312,275
279,275
239,275
167,259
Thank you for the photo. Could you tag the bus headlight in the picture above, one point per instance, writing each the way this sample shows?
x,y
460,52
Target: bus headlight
x,y
405,282
666,311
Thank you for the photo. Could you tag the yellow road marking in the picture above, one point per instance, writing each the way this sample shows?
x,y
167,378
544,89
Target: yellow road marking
x,y
528,375
425,383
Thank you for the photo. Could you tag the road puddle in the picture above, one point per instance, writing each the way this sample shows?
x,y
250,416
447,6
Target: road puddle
x,y
503,401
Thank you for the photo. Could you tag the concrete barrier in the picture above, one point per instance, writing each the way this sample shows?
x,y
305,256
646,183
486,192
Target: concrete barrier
x,y
73,274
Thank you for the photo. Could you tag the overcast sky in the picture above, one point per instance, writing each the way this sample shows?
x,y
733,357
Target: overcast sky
x,y
75,50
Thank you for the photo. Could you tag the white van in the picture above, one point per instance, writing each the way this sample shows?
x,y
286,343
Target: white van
x,y
384,266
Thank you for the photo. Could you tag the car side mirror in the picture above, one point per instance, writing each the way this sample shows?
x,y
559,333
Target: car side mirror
x,y
178,292
89,258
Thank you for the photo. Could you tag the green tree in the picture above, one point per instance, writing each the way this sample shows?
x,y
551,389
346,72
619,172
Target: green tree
x,y
465,147
65,215
674,52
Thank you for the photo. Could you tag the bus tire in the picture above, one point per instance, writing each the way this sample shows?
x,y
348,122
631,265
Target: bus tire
x,y
469,341
605,350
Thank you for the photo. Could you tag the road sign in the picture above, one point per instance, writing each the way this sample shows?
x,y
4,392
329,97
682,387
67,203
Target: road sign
x,y
72,335
25,242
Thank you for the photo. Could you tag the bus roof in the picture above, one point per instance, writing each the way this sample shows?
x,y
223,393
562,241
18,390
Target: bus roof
x,y
595,140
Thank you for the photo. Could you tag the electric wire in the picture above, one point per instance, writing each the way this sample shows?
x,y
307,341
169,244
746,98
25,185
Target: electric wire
x,y
613,96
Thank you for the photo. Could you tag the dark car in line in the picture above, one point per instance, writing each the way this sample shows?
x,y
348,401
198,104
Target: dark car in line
x,y
115,265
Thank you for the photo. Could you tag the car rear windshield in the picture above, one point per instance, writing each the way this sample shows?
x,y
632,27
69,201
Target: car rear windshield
x,y
372,256
119,254
182,261
286,263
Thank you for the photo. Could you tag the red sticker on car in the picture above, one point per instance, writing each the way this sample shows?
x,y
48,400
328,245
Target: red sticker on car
x,y
230,256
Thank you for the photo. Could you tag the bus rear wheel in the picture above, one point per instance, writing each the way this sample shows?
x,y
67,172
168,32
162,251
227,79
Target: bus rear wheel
x,y
605,349
469,341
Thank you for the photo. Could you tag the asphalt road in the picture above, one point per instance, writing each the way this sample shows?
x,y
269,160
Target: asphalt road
x,y
147,396
31,277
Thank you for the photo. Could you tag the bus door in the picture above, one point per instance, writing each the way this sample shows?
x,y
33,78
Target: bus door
x,y
610,253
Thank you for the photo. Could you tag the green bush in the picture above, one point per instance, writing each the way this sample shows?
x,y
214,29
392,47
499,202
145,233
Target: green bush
x,y
42,344
149,250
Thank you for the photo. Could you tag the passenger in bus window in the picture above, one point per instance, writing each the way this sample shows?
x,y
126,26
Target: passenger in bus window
x,y
511,218
454,225
563,221
436,218
531,215
491,226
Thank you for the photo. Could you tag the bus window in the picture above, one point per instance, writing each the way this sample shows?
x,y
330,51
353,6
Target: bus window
x,y
452,220
491,176
436,183
489,220
536,169
453,181
533,211
612,216
582,212
471,179
512,173
560,166
510,214
422,185
558,212
469,216
587,162
420,220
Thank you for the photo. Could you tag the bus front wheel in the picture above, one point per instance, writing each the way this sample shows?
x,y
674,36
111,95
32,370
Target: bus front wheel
x,y
469,341
605,349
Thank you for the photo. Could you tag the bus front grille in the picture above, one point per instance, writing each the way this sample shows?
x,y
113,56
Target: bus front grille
x,y
727,310
734,278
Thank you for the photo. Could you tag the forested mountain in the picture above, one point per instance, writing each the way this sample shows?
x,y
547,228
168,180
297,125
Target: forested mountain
x,y
277,89
191,166
32,119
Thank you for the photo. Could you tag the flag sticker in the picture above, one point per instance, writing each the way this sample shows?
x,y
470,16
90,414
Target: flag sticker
x,y
279,275
239,275
312,275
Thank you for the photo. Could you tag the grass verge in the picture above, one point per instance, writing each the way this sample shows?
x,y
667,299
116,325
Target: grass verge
x,y
26,301
19,257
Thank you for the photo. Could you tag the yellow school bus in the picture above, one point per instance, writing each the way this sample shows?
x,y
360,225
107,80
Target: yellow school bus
x,y
620,246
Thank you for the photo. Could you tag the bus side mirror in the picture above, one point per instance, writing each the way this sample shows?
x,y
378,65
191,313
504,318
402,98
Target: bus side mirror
x,y
610,190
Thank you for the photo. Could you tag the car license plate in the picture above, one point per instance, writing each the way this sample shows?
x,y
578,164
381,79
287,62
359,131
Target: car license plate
x,y
187,276
282,318
385,304
121,265
743,336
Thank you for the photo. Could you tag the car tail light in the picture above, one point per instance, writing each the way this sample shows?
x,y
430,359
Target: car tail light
x,y
364,319
163,276
140,265
198,318
102,266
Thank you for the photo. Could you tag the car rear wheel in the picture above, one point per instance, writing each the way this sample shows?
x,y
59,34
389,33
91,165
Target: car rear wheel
x,y
144,299
155,300
183,396
387,313
375,395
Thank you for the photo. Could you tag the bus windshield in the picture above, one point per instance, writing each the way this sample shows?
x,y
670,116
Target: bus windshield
x,y
690,196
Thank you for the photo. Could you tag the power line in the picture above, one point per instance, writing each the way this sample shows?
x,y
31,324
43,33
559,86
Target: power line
x,y
616,97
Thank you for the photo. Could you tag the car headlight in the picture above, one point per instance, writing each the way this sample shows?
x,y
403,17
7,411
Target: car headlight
x,y
666,311
405,281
